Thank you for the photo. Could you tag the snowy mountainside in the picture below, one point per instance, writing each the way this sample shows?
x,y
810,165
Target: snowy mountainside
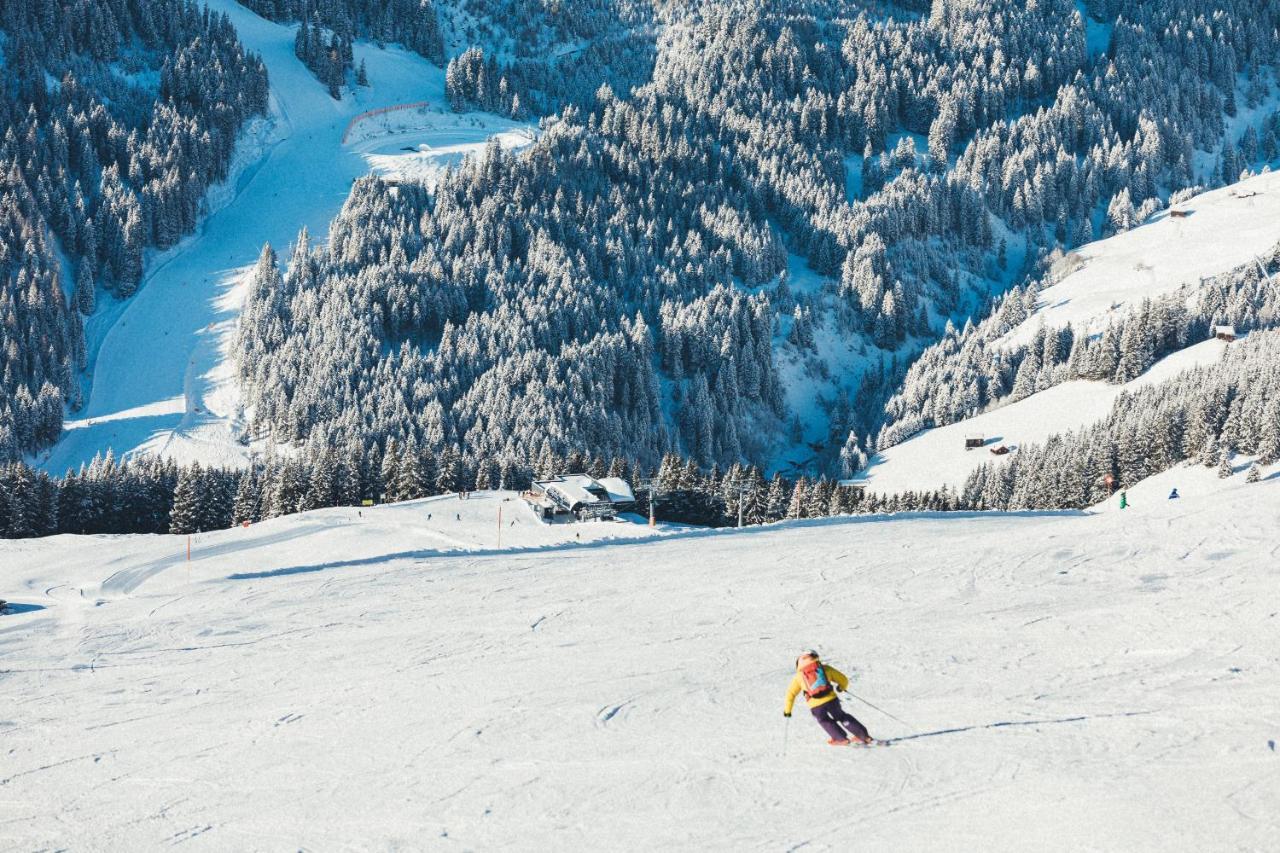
x,y
1222,229
936,457
1085,681
1016,129
1147,300
161,382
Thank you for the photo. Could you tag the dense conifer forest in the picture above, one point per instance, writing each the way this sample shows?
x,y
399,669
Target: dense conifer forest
x,y
718,192
116,117
624,286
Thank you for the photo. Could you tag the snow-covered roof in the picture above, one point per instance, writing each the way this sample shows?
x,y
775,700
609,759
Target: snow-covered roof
x,y
1224,330
574,489
619,490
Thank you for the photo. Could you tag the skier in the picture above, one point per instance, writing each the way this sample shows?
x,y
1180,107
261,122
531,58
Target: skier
x,y
1124,500
1173,496
820,683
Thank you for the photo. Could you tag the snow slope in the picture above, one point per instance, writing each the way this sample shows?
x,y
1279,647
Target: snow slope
x,y
1226,228
334,681
937,457
161,379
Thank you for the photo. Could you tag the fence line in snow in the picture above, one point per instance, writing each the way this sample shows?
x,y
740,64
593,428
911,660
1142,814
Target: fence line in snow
x,y
351,125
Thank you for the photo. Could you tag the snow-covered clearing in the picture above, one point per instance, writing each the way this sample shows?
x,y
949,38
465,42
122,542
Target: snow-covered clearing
x,y
161,378
1225,228
937,457
331,680
400,151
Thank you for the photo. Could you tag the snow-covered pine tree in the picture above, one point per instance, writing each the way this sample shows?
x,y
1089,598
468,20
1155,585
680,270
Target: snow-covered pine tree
x,y
188,498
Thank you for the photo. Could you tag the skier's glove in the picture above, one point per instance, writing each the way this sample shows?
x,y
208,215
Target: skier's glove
x,y
786,714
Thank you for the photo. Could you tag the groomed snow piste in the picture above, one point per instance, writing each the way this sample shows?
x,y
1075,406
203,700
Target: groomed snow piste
x,y
382,680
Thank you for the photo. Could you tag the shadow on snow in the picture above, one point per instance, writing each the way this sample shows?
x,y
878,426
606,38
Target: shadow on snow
x,y
755,530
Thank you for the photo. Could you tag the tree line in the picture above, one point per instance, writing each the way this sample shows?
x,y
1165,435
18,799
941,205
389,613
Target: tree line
x,y
150,495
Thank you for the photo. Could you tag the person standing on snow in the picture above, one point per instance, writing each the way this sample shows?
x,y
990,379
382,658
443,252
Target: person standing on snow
x,y
1173,496
820,683
1124,500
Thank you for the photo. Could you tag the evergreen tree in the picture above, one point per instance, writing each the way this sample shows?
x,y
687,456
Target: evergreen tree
x,y
188,496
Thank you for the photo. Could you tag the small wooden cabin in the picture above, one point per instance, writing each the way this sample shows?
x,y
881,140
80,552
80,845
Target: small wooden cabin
x,y
1225,333
999,451
1175,213
972,442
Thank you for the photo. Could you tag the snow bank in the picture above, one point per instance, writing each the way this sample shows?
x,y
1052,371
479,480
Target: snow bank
x,y
1068,681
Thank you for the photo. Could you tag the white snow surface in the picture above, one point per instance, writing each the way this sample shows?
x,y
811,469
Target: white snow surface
x,y
1226,228
162,379
381,681
937,457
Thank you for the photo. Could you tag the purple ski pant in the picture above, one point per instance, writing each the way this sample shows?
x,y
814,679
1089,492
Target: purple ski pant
x,y
831,717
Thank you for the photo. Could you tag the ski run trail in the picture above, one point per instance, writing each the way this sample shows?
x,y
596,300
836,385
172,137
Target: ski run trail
x,y
392,679
162,379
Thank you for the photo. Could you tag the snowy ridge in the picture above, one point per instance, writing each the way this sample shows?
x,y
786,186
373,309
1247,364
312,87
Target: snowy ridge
x,y
332,679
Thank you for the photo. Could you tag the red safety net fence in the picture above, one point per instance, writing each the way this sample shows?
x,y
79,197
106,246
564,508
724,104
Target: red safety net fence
x,y
355,120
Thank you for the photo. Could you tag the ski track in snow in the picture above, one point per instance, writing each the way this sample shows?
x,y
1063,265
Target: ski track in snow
x,y
162,378
1069,681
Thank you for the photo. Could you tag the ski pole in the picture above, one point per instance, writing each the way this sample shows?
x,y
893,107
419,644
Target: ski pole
x,y
786,730
878,708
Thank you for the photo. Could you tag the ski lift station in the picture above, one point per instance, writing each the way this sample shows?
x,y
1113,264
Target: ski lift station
x,y
579,497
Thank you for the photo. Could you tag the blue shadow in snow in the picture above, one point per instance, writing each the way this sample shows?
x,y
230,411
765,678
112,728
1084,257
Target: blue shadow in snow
x,y
14,607
1011,723
693,533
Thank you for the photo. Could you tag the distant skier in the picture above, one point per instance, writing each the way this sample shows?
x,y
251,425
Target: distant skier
x,y
1124,500
820,683
1173,496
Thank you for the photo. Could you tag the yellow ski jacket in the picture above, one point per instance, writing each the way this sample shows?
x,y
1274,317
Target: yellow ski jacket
x,y
838,678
